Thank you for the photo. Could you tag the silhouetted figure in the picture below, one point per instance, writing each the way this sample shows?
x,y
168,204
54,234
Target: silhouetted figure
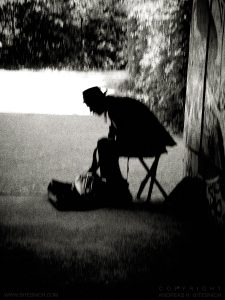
x,y
134,132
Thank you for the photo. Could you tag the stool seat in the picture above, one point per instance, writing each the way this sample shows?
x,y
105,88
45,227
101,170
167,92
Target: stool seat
x,y
144,153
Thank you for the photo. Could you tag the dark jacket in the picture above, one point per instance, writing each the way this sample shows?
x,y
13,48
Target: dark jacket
x,y
135,127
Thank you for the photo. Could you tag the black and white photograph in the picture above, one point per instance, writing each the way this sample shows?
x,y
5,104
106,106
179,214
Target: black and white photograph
x,y
112,149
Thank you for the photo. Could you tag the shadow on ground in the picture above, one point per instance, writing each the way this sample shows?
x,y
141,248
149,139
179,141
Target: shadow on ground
x,y
52,253
99,252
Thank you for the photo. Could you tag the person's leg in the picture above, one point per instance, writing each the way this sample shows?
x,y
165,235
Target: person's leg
x,y
95,165
109,159
119,193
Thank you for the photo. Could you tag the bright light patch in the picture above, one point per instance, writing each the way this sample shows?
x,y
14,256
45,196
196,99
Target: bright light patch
x,y
46,92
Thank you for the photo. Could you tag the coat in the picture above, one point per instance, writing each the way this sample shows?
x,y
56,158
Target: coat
x,y
135,128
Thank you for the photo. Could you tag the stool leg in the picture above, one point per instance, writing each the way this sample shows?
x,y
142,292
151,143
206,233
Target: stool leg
x,y
145,180
143,184
154,169
161,189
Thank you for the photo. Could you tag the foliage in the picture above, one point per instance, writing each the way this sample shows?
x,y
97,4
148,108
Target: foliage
x,y
104,30
72,33
158,55
92,34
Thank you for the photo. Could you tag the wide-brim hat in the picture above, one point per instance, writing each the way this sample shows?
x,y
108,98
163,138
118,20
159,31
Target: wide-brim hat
x,y
92,94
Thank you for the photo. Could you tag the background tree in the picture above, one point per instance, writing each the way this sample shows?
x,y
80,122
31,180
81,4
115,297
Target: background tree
x,y
158,54
72,33
149,37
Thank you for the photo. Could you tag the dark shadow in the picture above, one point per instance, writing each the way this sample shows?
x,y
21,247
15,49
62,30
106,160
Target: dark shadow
x,y
188,200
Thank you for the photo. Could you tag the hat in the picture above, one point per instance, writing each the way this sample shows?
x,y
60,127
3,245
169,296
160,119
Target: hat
x,y
92,94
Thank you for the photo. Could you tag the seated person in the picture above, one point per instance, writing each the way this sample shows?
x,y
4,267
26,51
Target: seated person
x,y
134,132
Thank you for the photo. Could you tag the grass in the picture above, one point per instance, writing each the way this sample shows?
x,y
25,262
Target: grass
x,y
43,249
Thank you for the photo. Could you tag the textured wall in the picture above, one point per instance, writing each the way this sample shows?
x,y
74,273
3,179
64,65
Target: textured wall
x,y
204,129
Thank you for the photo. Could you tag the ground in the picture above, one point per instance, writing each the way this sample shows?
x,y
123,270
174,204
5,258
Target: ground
x,y
52,254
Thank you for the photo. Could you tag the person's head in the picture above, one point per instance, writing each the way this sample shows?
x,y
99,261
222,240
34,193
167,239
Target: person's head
x,y
94,98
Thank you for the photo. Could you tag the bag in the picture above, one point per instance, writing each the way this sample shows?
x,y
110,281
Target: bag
x,y
86,192
90,185
188,199
62,195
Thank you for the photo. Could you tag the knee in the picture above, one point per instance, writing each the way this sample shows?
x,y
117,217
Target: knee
x,y
103,144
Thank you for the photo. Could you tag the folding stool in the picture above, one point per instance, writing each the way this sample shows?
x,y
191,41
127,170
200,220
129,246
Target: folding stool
x,y
150,176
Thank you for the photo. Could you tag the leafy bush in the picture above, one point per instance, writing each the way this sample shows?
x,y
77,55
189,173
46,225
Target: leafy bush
x,y
72,33
104,33
158,38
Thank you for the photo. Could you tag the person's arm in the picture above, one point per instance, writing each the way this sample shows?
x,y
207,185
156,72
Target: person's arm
x,y
112,131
